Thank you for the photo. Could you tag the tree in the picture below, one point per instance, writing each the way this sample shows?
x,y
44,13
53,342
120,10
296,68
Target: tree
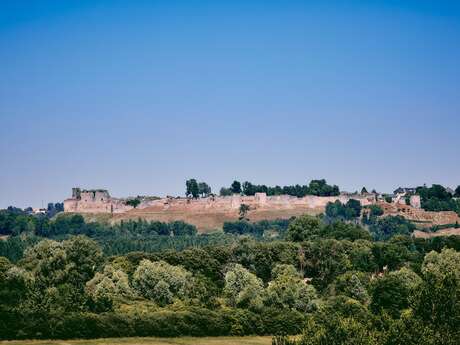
x,y
249,188
236,187
242,288
350,284
83,257
225,191
243,211
353,209
14,283
47,260
375,210
59,272
133,202
389,226
161,282
203,189
325,260
288,290
457,192
335,329
349,211
304,228
192,188
345,231
438,299
391,292
111,283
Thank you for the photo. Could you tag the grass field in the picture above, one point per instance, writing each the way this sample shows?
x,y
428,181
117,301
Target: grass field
x,y
150,341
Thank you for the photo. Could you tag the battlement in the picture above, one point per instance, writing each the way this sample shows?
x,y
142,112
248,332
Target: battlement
x,y
94,201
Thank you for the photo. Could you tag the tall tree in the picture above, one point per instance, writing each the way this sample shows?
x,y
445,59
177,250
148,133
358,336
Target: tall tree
x,y
243,211
192,188
236,187
161,282
203,189
242,288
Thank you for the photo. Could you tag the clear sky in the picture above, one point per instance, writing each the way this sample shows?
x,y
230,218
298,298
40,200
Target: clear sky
x,y
138,96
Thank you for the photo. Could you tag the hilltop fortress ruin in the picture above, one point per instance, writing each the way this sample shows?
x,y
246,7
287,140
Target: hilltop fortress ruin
x,y
100,201
211,212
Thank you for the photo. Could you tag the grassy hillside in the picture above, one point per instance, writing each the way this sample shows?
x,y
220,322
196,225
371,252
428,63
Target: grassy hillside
x,y
151,341
210,221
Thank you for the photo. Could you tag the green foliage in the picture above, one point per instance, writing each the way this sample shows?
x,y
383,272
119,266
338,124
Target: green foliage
x,y
109,284
391,292
225,191
345,231
375,211
14,221
438,298
289,291
203,189
353,285
336,330
244,209
161,282
257,229
242,288
389,226
192,188
337,210
325,260
236,187
133,202
437,198
14,282
309,228
303,228
316,187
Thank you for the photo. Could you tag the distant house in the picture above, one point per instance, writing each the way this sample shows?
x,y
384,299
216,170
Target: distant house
x,y
39,211
405,190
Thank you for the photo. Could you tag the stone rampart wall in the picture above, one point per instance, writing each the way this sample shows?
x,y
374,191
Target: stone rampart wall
x,y
100,202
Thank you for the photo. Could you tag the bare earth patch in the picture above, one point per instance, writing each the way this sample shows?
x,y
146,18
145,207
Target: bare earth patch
x,y
444,232
212,220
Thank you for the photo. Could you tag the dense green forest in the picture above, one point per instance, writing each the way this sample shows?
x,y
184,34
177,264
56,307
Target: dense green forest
x,y
336,279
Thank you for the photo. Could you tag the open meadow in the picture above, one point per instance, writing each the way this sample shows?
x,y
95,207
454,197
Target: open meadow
x,y
150,341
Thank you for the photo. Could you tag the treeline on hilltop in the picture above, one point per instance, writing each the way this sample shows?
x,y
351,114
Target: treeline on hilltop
x,y
330,277
438,198
196,189
315,187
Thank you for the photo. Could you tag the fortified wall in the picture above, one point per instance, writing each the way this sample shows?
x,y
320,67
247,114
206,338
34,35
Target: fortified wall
x,y
100,201
94,201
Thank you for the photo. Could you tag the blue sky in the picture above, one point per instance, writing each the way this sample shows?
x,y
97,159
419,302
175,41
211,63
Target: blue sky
x,y
138,96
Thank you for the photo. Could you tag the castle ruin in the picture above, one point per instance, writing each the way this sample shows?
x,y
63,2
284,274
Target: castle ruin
x,y
100,201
